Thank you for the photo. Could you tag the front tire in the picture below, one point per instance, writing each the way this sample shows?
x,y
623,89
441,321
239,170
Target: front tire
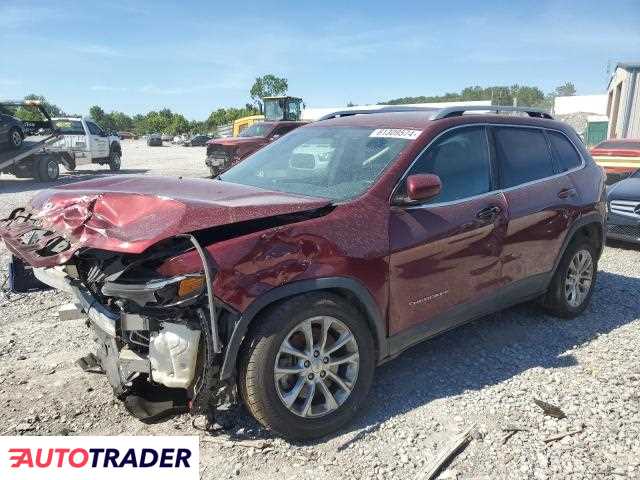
x,y
307,366
115,160
572,285
15,138
48,169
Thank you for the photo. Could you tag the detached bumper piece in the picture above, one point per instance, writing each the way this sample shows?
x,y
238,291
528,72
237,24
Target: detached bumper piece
x,y
22,279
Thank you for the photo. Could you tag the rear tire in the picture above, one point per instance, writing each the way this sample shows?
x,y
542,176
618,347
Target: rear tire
x,y
15,138
115,160
572,285
48,169
320,405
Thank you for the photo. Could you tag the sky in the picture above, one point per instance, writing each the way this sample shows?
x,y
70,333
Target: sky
x,y
196,56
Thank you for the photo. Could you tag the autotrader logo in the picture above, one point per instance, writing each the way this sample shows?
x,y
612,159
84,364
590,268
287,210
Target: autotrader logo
x,y
71,458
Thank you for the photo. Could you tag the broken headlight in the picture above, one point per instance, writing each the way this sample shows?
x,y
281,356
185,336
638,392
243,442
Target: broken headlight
x,y
157,293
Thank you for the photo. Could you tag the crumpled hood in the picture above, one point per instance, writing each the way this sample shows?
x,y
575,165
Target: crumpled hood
x,y
129,213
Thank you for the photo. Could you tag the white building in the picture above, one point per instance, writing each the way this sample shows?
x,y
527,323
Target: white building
x,y
594,104
623,103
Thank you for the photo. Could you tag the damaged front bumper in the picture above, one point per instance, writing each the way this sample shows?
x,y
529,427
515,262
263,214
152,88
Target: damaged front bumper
x,y
172,346
157,342
156,365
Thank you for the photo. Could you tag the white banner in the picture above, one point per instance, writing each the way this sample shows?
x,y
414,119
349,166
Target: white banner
x,y
407,133
99,458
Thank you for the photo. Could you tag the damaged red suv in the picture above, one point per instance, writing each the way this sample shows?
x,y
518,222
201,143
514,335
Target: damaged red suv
x,y
319,257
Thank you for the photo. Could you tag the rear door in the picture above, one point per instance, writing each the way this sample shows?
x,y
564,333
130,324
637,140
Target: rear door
x,y
542,203
445,252
98,141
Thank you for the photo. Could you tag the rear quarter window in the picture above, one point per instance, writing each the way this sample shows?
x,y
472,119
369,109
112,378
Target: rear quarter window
x,y
523,155
566,154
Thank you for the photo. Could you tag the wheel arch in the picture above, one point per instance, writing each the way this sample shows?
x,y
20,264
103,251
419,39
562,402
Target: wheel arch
x,y
589,226
348,288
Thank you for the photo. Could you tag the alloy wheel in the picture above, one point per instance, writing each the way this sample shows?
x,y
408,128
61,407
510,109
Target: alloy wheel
x,y
16,138
579,278
52,169
316,367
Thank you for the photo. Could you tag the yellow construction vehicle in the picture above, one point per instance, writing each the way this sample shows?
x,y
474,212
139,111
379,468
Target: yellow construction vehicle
x,y
242,123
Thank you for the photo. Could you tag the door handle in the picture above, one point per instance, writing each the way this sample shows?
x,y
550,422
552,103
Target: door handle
x,y
567,192
489,213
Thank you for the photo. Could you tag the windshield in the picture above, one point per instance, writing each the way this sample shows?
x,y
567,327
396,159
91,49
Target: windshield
x,y
259,129
69,127
337,163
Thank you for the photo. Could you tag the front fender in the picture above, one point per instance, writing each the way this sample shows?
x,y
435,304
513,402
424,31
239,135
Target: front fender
x,y
354,287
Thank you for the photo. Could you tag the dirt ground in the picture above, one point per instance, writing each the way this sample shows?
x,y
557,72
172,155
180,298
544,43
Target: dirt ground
x,y
486,374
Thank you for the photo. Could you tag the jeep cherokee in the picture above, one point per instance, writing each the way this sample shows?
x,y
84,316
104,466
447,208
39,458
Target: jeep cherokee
x,y
292,283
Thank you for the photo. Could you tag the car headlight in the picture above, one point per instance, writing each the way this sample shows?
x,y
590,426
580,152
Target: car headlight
x,y
155,293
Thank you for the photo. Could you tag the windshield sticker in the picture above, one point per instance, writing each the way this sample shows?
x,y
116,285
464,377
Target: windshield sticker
x,y
405,133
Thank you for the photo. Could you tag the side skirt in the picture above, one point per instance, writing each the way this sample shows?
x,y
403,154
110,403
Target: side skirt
x,y
518,292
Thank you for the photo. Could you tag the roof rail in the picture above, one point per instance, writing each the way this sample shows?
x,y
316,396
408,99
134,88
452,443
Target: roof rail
x,y
457,111
439,113
382,109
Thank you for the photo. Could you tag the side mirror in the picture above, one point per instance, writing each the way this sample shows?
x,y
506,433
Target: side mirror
x,y
423,186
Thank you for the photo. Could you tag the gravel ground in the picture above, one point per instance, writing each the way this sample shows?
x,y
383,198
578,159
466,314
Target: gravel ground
x,y
486,373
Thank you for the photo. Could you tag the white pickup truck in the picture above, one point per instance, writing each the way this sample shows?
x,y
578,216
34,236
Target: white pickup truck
x,y
84,142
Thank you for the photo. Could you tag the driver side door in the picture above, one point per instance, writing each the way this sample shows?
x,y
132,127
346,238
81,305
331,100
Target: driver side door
x,y
445,252
98,141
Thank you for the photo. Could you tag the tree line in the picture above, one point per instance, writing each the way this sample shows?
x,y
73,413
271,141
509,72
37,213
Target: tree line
x,y
521,95
173,123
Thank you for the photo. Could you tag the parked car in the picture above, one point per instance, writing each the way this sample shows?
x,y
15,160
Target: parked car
x,y
197,141
154,140
31,152
223,153
84,142
166,137
127,136
293,283
11,132
619,157
623,221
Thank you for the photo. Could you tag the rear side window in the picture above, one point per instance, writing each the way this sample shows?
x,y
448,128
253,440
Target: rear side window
x,y
461,159
564,151
523,154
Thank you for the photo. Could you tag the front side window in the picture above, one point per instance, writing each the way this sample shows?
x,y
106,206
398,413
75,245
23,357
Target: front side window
x,y
337,163
94,129
523,154
565,152
461,159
